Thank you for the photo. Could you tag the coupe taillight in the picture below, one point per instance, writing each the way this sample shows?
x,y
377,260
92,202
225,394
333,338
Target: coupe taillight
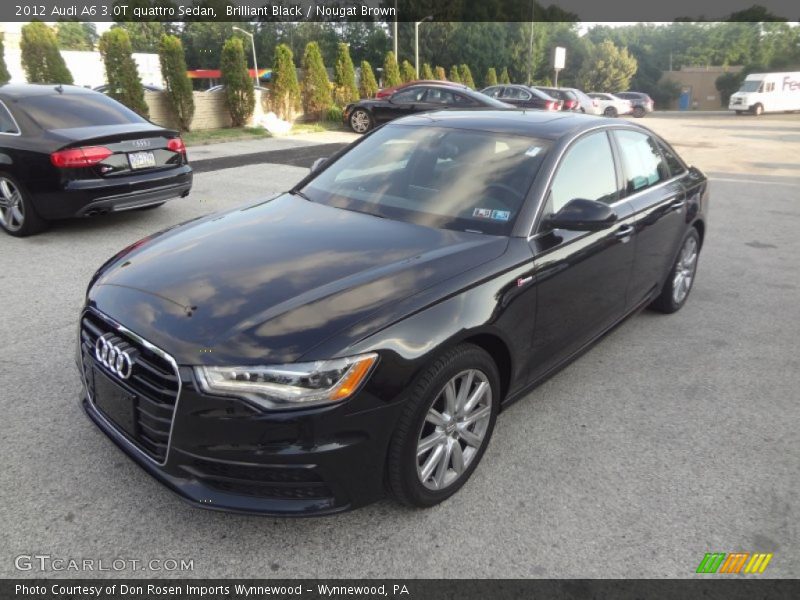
x,y
80,157
551,105
176,145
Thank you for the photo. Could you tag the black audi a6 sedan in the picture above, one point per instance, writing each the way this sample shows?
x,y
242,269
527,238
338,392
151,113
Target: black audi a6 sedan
x,y
367,114
67,151
302,354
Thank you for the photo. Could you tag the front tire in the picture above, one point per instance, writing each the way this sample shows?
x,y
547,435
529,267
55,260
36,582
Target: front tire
x,y
445,427
361,121
681,277
758,110
18,217
610,112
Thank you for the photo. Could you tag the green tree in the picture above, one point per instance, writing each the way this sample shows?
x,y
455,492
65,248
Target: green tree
x,y
145,36
607,68
439,74
726,85
41,59
344,77
124,84
285,89
239,94
391,72
4,74
466,76
665,92
504,78
455,75
427,72
75,35
407,72
491,77
368,86
179,86
316,89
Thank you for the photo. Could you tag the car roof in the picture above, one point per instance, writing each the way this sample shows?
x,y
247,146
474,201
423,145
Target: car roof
x,y
533,123
14,91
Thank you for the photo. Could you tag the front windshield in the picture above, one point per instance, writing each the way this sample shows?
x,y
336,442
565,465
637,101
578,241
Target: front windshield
x,y
750,86
441,177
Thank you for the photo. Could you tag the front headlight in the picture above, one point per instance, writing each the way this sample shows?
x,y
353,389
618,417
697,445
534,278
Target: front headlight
x,y
296,385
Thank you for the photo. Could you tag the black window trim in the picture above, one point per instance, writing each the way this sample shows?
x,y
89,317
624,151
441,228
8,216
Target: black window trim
x,y
659,142
13,120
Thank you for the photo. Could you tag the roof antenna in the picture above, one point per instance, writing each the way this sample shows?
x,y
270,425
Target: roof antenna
x,y
60,88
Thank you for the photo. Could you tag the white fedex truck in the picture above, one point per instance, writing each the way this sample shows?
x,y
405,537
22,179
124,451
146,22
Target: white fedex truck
x,y
767,92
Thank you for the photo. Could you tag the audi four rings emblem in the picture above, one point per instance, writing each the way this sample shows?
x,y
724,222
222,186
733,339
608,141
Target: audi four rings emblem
x,y
115,354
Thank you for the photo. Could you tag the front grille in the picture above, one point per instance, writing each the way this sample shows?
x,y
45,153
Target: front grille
x,y
153,382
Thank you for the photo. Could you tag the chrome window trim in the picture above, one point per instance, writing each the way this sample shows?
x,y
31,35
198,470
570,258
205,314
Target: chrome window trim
x,y
156,350
13,120
539,209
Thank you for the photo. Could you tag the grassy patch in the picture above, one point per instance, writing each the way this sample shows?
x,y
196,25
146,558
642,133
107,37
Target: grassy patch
x,y
318,127
230,134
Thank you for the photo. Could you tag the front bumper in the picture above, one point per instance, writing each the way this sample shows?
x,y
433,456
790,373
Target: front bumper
x,y
85,197
225,455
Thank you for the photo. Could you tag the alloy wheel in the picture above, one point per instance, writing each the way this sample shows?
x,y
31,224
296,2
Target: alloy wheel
x,y
359,121
454,429
684,271
12,208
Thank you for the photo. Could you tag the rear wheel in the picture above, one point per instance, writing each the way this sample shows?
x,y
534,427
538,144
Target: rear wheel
x,y
638,112
18,217
610,112
445,427
360,121
681,277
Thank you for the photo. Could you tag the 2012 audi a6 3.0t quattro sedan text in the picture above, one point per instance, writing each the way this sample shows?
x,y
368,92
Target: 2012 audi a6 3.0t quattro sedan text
x,y
300,355
66,151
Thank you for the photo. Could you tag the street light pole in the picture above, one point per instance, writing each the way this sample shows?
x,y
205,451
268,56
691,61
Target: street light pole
x,y
394,37
416,43
253,45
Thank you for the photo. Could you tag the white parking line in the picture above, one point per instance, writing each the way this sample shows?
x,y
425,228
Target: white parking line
x,y
756,181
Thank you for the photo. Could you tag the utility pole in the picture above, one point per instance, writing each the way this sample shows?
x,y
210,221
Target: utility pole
x,y
416,43
530,45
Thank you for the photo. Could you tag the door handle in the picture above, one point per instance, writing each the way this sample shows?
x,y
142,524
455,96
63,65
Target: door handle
x,y
678,204
624,231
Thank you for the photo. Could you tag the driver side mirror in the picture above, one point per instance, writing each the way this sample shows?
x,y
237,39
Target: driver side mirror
x,y
582,215
318,164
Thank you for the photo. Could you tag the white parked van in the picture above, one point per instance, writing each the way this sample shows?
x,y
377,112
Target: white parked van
x,y
767,92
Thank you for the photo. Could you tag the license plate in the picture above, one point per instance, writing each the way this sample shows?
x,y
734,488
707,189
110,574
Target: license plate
x,y
114,402
142,160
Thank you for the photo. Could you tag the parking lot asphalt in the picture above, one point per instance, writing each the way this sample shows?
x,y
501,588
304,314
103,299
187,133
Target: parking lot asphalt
x,y
674,436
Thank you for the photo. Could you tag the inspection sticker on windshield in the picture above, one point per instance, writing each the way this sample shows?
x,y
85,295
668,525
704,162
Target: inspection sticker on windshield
x,y
501,215
533,151
482,213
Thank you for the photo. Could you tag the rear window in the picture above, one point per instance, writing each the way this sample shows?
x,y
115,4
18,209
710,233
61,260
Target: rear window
x,y
65,111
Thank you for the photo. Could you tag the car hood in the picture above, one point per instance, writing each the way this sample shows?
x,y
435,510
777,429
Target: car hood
x,y
268,282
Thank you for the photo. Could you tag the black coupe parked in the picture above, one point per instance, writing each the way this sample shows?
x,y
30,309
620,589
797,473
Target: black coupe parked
x,y
67,151
366,114
296,355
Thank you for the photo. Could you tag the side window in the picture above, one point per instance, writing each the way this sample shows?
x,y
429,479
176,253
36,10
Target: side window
x,y
7,124
493,92
463,100
439,96
641,160
586,171
673,162
771,86
410,95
